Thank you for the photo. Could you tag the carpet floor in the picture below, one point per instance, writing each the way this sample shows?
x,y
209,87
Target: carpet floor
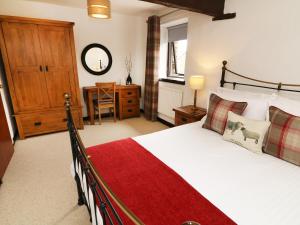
x,y
38,189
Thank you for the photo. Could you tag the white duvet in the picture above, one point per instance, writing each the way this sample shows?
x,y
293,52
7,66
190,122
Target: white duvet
x,y
251,189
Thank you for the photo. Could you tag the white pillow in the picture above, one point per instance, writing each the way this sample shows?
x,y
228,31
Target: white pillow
x,y
243,94
258,103
286,104
202,121
247,133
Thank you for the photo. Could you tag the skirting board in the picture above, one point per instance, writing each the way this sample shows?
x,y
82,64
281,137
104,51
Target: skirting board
x,y
163,121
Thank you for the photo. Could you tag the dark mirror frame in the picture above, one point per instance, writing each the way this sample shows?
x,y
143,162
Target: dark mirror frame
x,y
83,54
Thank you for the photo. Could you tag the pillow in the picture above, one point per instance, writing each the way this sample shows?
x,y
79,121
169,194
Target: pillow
x,y
217,112
203,120
243,94
283,140
258,103
245,132
287,105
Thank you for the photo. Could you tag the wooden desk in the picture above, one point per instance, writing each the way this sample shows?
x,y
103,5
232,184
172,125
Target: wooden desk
x,y
127,100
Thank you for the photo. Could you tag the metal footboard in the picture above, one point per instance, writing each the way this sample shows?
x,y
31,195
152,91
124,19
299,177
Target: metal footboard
x,y
91,191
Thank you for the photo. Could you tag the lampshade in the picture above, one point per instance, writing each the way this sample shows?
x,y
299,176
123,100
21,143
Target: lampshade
x,y
99,8
197,82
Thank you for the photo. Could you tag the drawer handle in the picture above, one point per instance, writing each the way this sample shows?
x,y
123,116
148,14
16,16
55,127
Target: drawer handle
x,y
129,101
37,124
129,110
183,119
65,120
129,93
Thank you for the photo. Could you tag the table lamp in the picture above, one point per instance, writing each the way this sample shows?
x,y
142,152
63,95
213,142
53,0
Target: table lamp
x,y
197,84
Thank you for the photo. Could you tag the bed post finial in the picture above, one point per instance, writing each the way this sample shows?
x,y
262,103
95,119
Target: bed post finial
x,y
222,82
67,101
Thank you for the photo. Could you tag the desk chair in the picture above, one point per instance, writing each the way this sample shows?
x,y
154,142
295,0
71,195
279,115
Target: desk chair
x,y
106,98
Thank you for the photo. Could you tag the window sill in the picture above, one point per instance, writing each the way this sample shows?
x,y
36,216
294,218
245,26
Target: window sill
x,y
179,81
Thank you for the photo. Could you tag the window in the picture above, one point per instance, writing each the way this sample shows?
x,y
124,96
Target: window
x,y
177,47
176,57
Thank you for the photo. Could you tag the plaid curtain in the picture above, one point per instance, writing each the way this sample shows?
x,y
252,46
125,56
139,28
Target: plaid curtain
x,y
152,62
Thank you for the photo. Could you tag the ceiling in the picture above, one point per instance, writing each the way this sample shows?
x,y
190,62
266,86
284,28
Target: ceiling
x,y
133,7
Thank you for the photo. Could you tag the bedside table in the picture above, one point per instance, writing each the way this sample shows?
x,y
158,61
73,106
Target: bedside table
x,y
187,114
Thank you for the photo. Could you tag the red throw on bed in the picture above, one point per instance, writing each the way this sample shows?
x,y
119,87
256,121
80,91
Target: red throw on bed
x,y
149,189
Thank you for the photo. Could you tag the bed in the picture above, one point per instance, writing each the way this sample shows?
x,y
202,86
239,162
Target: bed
x,y
248,188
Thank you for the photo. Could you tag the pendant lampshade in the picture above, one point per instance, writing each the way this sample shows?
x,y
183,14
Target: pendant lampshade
x,y
99,8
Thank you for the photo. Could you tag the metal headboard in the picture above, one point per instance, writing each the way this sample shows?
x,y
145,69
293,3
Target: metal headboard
x,y
271,85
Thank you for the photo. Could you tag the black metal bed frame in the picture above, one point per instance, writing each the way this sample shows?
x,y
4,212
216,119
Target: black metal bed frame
x,y
100,192
272,85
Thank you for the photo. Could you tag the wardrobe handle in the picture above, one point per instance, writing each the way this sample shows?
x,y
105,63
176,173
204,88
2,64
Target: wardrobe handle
x,y
41,68
65,120
46,68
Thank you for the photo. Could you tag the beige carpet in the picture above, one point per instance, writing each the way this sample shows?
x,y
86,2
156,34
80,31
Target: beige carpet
x,y
38,189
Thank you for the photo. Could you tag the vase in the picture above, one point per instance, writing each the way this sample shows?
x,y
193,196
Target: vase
x,y
128,80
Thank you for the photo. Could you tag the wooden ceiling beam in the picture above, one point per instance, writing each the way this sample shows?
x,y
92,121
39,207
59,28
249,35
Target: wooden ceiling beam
x,y
208,7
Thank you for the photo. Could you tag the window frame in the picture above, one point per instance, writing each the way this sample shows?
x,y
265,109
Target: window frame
x,y
172,53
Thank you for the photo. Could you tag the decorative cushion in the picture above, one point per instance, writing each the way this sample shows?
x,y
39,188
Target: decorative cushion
x,y
284,136
245,132
218,111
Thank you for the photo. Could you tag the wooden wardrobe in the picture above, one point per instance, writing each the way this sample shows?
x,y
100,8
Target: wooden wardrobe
x,y
40,65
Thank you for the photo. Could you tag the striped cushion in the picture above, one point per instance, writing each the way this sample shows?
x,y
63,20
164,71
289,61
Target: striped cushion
x,y
218,111
284,136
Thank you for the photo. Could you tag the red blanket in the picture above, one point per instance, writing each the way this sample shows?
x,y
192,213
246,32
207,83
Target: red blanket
x,y
149,189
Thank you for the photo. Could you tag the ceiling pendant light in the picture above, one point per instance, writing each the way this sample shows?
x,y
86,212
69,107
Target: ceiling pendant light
x,y
99,9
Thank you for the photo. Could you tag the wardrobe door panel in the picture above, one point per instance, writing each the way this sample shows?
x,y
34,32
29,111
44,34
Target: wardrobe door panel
x,y
57,55
25,59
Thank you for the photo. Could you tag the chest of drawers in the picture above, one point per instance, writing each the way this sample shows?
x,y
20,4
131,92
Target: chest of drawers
x,y
129,101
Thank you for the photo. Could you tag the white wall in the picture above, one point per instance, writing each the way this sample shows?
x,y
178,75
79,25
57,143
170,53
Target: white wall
x,y
122,35
263,41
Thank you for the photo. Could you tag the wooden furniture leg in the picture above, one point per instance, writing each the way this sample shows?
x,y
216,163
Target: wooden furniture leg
x,y
115,112
99,113
90,108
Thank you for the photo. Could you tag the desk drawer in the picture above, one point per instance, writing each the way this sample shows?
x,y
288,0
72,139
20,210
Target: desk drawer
x,y
129,101
46,122
127,93
131,111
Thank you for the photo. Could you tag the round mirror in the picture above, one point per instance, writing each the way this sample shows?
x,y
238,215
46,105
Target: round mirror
x,y
96,59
